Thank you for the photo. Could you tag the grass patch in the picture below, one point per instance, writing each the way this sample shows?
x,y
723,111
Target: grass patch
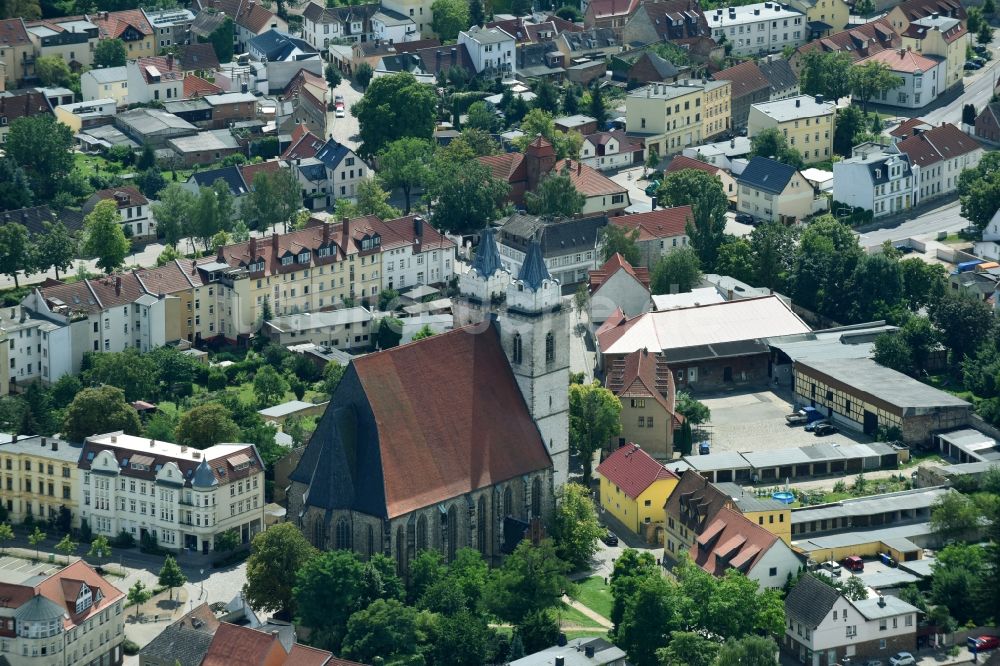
x,y
594,594
583,633
571,616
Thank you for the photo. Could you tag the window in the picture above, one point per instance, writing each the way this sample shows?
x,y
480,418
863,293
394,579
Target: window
x,y
852,631
550,348
516,349
773,571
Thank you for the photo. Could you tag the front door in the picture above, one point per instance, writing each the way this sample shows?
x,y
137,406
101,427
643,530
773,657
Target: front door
x,y
204,546
871,423
727,374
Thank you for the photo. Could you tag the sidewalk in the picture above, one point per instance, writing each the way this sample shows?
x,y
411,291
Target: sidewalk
x,y
596,617
156,614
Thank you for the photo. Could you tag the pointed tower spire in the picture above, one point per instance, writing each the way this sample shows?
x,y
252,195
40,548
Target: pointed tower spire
x,y
533,271
487,260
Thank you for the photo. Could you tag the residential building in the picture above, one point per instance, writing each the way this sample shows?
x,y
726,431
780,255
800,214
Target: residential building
x,y
591,44
609,14
806,122
35,218
344,169
823,16
236,643
784,82
882,182
197,59
680,162
858,41
152,126
617,285
195,308
988,123
679,22
922,76
37,349
749,86
902,15
414,253
172,27
491,51
721,154
72,38
40,478
825,627
133,208
82,115
20,104
72,616
577,652
775,192
154,78
16,51
651,68
660,231
107,83
941,36
346,329
393,28
765,27
862,395
132,27
184,498
304,144
708,347
185,642
732,541
303,102
569,247
251,19
634,487
609,151
939,155
645,386
322,25
670,117
769,513
283,56
419,11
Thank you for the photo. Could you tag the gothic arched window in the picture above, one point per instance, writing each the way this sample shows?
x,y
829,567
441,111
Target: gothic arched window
x,y
516,351
421,533
481,520
452,532
536,497
401,549
508,501
371,541
550,348
343,539
318,538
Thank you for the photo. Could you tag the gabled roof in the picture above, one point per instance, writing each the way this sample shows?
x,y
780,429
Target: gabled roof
x,y
159,68
230,175
242,646
859,41
902,60
587,180
746,78
304,144
941,143
590,40
657,224
113,24
13,33
197,57
643,375
676,20
124,197
63,588
508,167
185,641
333,153
779,74
767,175
170,278
906,127
613,265
557,236
695,502
663,67
34,218
251,171
680,162
20,104
406,430
916,9
633,470
811,600
255,17
735,542
195,86
612,8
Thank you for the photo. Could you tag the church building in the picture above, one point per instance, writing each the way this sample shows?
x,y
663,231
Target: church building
x,y
457,440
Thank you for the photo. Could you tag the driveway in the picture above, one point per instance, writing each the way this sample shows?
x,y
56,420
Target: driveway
x,y
344,130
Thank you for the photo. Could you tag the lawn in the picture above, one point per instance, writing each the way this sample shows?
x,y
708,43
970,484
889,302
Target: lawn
x,y
594,594
571,616
583,633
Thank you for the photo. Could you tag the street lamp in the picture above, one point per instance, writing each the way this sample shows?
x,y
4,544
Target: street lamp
x,y
202,573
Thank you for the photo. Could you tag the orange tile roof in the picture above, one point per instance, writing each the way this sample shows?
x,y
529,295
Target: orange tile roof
x,y
508,167
113,24
662,223
735,543
242,646
746,78
680,162
901,60
588,181
633,470
644,375
613,265
195,86
251,171
13,33
63,588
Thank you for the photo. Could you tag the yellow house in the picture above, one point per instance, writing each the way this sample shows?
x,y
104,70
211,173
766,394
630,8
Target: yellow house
x,y
833,13
132,27
39,476
807,123
769,513
634,488
673,116
941,36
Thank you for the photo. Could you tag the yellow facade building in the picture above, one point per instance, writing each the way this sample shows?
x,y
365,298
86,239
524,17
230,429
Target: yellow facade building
x,y
674,116
832,13
39,477
767,512
806,122
634,488
941,36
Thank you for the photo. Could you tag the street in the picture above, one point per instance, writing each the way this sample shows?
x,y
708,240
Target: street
x,y
944,217
978,90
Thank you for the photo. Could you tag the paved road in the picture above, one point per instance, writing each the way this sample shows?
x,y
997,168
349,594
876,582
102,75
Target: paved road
x,y
944,217
978,90
345,130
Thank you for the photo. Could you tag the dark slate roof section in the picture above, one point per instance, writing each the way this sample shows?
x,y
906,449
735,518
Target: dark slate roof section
x,y
179,644
487,260
533,271
277,45
663,67
779,73
767,175
810,600
879,173
557,237
33,219
203,476
231,175
332,153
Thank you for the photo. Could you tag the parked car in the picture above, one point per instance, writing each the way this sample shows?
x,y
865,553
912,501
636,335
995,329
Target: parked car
x,y
610,539
704,449
986,643
902,659
811,427
339,113
873,662
796,418
832,567
978,60
824,429
853,563
971,66
651,189
745,218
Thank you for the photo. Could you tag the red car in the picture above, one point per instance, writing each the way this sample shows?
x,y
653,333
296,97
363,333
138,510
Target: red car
x,y
987,643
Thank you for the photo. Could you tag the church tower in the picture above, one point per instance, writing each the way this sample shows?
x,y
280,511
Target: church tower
x,y
534,329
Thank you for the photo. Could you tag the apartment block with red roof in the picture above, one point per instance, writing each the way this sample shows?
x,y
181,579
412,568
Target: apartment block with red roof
x,y
644,384
132,27
924,77
939,156
859,42
73,616
154,79
657,232
634,487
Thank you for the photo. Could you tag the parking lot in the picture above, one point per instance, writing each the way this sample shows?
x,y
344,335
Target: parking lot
x,y
756,422
345,130
14,570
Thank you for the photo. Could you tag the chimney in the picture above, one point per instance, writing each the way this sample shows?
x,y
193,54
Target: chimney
x,y
170,61
345,231
118,285
184,449
326,234
588,651
935,15
13,439
55,445
152,443
43,442
114,439
454,56
560,661
274,243
253,248
881,601
798,102
819,99
418,227
579,167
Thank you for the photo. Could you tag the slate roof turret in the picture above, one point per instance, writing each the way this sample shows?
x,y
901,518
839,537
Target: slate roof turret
x,y
533,271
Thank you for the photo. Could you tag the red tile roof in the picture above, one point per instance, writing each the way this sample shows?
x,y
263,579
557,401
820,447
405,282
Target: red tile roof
x,y
168,66
941,143
170,278
588,181
736,543
13,33
303,655
64,587
906,127
916,31
242,646
255,17
251,171
633,470
610,8
448,428
746,78
644,375
197,57
21,104
508,167
901,60
680,162
695,502
195,86
125,197
859,41
916,9
663,223
304,144
613,265
113,24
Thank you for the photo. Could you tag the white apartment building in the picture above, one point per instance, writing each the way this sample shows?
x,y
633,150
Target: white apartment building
x,y
882,182
110,82
323,26
133,208
393,28
764,27
182,497
344,169
37,349
414,253
491,50
940,154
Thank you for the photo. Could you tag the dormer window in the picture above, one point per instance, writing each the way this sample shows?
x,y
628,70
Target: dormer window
x,y
303,257
256,267
84,600
287,261
325,251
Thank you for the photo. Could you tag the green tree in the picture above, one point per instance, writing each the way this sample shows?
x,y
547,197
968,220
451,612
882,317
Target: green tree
x,y
6,534
651,614
865,7
676,272
923,283
393,107
538,122
67,546
268,386
53,71
748,651
546,97
56,248
98,410
892,351
597,108
617,239
110,53
688,648
575,528
959,575
979,190
363,75
15,188
703,192
735,259
477,16
374,200
877,285
954,516
479,115
531,579
571,100
389,333
870,80
964,325
43,148
538,630
276,556
824,261
594,418
773,247
228,541
171,575
99,547
694,412
450,16
825,73
772,144
35,539
172,211
206,425
104,238
989,7
15,251
850,129
405,163
555,196
386,629
274,199
985,34
462,638
467,196
423,332
332,75
222,40
327,592
133,372
138,595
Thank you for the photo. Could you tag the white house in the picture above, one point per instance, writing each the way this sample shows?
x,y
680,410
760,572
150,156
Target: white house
x,y
133,207
154,79
617,285
491,51
344,169
392,27
608,151
37,349
414,253
923,77
109,82
824,627
183,498
882,182
989,247
720,154
764,27
940,155
322,26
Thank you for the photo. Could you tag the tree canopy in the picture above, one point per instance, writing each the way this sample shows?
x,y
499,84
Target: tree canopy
x,y
104,238
594,413
99,410
393,107
703,192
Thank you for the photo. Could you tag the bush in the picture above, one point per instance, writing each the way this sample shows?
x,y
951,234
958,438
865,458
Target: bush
x,y
130,647
123,540
231,558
